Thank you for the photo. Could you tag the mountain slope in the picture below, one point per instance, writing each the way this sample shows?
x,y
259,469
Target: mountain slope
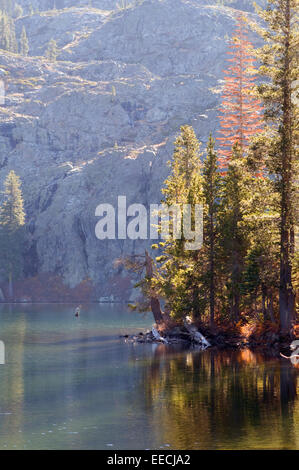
x,y
101,121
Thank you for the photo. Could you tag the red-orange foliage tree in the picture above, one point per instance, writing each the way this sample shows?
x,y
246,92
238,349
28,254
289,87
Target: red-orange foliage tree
x,y
241,111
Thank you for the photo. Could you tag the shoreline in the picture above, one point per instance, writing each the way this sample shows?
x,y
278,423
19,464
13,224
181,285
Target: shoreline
x,y
271,342
226,337
58,302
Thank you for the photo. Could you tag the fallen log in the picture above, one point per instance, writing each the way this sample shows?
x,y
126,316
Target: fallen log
x,y
157,336
196,336
289,357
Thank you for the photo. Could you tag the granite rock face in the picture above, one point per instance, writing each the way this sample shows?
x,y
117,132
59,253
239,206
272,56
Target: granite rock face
x,y
44,5
101,121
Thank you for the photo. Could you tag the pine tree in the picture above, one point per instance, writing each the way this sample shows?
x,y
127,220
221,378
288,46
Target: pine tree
x,y
234,235
172,276
52,51
240,110
18,11
280,64
7,6
24,45
178,269
211,193
12,220
185,167
261,275
8,40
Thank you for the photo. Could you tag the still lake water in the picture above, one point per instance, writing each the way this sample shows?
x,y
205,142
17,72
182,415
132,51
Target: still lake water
x,y
73,384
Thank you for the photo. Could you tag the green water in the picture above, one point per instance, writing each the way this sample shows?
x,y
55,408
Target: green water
x,y
73,384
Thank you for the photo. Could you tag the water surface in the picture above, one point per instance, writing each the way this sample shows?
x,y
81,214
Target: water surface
x,y
74,384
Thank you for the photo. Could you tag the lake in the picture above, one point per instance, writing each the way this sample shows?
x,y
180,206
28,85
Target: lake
x,y
74,384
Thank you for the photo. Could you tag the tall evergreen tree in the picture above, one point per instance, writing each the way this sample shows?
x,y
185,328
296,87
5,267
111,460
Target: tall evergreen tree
x,y
24,45
211,193
234,235
185,167
173,275
18,11
240,110
52,51
261,276
7,6
177,273
12,220
279,59
8,40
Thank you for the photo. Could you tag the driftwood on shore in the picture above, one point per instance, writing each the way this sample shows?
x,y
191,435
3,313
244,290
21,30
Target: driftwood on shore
x,y
294,357
157,336
184,335
196,336
290,357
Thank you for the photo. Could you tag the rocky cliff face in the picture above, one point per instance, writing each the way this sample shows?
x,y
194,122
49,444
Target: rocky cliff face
x,y
101,121
44,5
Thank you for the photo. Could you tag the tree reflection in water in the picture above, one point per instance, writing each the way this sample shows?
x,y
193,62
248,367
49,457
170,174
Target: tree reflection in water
x,y
227,399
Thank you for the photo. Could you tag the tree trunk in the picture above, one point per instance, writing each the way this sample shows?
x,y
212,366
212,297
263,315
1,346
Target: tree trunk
x,y
195,302
286,293
212,300
236,274
236,307
154,301
212,279
264,308
270,308
236,295
196,335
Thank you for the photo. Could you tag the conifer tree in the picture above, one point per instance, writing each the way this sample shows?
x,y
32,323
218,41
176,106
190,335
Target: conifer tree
x,y
279,59
8,40
12,220
24,45
185,167
7,6
211,193
11,8
234,236
240,110
172,276
178,270
52,51
261,275
18,11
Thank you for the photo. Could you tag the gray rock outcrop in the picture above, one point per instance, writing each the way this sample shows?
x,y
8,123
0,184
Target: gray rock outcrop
x,y
101,121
